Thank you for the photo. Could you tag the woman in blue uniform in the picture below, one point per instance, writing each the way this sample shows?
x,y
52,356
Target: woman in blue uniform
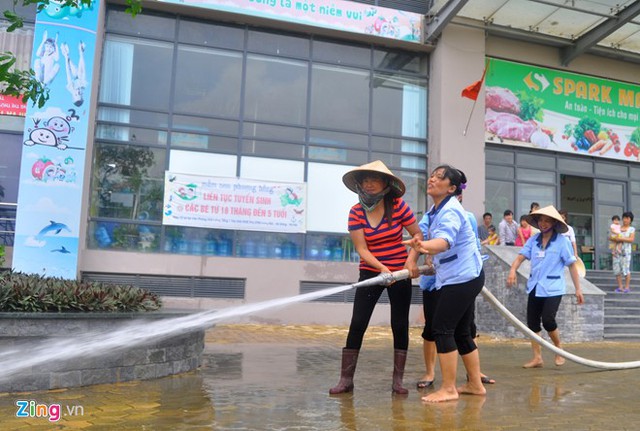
x,y
549,252
451,244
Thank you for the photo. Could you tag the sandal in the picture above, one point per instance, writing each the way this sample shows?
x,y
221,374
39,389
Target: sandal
x,y
618,290
424,384
485,380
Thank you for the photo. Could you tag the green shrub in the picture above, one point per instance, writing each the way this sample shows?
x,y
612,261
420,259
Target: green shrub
x,y
1,255
34,293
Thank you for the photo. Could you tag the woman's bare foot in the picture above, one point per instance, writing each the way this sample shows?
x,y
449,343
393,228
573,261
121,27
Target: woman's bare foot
x,y
559,360
441,395
534,363
471,389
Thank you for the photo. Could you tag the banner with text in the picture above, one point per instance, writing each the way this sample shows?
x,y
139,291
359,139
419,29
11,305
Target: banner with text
x,y
561,111
234,203
336,14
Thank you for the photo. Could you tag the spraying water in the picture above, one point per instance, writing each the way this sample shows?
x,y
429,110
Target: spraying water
x,y
94,343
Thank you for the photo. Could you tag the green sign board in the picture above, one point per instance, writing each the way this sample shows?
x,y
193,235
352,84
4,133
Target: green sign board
x,y
561,111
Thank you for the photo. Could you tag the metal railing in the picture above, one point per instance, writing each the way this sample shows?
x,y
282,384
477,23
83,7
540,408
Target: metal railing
x,y
7,223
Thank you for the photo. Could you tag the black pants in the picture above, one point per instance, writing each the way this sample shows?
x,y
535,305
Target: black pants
x,y
454,316
365,301
542,309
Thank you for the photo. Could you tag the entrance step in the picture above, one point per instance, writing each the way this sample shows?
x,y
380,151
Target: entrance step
x,y
621,310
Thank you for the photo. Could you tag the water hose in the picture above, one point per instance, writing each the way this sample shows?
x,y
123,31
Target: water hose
x,y
388,278
535,337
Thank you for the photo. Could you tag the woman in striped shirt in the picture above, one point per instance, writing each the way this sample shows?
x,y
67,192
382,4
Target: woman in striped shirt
x,y
376,226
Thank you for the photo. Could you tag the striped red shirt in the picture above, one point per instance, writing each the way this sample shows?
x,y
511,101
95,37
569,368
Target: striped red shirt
x,y
384,242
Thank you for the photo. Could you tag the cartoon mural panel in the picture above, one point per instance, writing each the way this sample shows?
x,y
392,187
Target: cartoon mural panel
x,y
55,140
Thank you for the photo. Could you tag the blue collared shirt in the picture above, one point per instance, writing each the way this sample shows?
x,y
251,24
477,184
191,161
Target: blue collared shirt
x,y
462,261
547,265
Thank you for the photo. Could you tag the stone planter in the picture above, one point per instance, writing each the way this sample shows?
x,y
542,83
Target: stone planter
x,y
172,355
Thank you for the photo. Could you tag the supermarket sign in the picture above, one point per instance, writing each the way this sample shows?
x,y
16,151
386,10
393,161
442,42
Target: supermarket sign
x,y
234,203
554,110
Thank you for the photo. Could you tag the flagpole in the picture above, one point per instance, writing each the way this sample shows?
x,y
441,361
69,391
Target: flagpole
x,y
464,132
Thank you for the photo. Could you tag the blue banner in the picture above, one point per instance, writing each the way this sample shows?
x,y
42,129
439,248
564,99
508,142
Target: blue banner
x,y
55,140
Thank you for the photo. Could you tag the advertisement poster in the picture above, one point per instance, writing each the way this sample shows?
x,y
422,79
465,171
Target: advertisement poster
x,y
336,14
54,142
234,203
560,111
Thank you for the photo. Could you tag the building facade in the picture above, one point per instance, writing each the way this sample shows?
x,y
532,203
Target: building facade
x,y
213,93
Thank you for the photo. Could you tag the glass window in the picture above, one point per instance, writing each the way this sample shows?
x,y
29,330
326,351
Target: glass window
x,y
136,117
205,125
498,197
268,245
635,187
634,172
329,201
267,131
535,175
272,149
416,194
399,105
499,156
527,193
400,61
124,236
611,170
340,53
278,44
341,155
535,161
131,134
262,168
144,24
147,87
276,90
208,82
584,167
198,163
338,139
128,182
500,172
340,98
214,35
401,161
610,192
393,145
10,155
219,144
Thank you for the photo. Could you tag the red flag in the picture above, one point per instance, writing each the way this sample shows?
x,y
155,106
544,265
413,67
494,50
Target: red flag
x,y
472,91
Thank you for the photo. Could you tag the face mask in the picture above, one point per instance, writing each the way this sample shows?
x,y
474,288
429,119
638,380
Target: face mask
x,y
369,202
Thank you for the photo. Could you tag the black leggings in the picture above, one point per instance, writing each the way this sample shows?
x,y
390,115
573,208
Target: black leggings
x,y
454,315
365,300
542,309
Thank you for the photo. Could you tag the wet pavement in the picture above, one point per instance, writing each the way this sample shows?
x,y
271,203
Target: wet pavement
x,y
262,377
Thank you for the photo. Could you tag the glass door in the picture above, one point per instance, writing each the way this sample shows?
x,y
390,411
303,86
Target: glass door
x,y
610,200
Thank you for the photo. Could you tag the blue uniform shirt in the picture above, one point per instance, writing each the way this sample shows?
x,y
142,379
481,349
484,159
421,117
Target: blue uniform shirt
x,y
462,261
547,265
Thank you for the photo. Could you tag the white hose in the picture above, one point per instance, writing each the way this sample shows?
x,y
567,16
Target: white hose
x,y
388,278
535,337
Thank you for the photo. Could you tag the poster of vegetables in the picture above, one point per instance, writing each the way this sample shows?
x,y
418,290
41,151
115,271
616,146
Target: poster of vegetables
x,y
561,111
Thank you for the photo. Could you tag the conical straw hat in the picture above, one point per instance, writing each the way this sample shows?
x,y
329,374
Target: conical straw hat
x,y
549,211
351,178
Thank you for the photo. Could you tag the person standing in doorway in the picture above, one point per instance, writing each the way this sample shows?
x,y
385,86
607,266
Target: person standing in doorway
x,y
549,253
570,233
376,225
507,229
622,261
534,207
